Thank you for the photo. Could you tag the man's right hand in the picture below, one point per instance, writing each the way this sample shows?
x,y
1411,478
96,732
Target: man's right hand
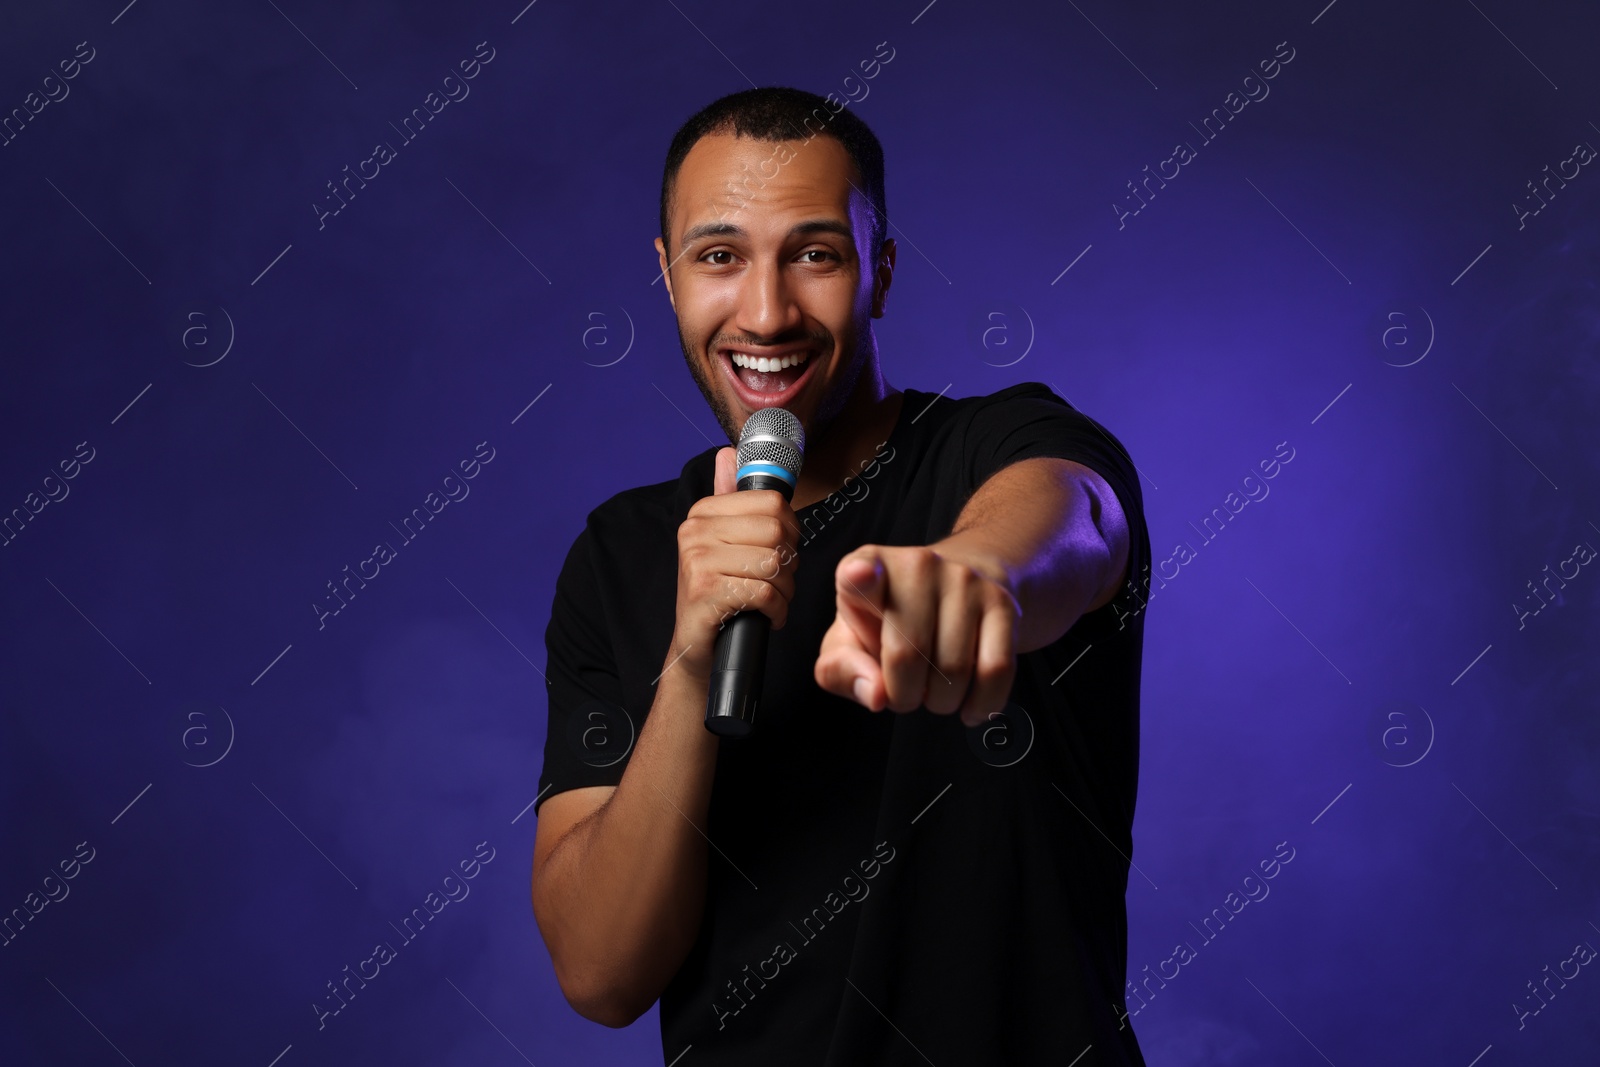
x,y
736,552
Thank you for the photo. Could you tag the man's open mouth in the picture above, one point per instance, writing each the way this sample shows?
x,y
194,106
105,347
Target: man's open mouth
x,y
765,380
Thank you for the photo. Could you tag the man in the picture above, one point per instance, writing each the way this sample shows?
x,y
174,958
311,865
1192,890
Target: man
x,y
869,878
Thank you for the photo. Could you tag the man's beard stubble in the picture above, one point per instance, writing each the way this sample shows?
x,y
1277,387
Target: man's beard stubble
x,y
827,411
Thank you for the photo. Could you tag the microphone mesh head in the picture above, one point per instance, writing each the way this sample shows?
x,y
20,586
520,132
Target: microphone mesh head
x,y
772,435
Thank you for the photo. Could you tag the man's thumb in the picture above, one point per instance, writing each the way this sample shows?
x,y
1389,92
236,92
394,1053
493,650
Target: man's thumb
x,y
726,466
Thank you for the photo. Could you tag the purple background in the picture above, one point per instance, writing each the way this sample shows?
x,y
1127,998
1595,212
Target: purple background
x,y
1357,217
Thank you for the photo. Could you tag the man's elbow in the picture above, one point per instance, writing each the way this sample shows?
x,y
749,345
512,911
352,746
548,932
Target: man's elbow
x,y
601,1001
598,992
1111,548
1109,564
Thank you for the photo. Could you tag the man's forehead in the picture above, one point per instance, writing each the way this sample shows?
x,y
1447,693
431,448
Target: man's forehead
x,y
734,177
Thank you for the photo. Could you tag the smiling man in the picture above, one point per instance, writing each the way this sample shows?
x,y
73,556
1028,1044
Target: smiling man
x,y
922,850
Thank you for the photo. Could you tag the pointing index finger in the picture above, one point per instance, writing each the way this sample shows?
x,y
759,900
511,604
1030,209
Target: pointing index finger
x,y
860,582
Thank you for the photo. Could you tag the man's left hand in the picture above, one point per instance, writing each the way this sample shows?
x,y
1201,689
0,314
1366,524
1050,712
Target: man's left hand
x,y
917,629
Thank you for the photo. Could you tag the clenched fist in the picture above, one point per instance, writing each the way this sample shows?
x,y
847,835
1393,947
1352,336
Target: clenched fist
x,y
916,629
736,552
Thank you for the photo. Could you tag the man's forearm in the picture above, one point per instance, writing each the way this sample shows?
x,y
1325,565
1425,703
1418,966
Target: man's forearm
x,y
1047,535
621,895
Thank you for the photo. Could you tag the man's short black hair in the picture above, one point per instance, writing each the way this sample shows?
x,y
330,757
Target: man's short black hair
x,y
776,113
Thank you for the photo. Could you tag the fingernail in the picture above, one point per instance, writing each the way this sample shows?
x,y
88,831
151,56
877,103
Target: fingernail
x,y
863,692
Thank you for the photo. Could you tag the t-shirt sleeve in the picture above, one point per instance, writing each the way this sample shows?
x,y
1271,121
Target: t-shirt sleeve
x,y
1029,420
589,735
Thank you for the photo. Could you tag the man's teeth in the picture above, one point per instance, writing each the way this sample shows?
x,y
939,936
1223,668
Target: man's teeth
x,y
765,365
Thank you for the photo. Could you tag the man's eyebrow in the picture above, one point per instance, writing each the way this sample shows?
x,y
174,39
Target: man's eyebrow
x,y
711,229
833,226
728,229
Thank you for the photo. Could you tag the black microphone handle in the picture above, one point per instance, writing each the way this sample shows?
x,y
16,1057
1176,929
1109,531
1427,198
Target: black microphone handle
x,y
740,659
735,691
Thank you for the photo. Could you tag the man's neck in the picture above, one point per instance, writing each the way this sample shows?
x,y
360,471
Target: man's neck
x,y
868,417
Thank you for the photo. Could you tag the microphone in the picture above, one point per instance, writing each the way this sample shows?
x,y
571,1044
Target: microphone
x,y
770,448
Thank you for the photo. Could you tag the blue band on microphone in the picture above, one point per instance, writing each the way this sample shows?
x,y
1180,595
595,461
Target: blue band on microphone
x,y
764,468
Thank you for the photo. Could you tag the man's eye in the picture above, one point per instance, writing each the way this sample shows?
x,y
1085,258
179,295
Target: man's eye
x,y
707,258
824,253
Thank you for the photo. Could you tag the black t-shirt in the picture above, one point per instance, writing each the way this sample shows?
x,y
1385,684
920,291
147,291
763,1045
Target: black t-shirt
x,y
883,888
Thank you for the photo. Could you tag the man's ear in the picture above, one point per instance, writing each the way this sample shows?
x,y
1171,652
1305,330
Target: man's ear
x,y
666,275
883,277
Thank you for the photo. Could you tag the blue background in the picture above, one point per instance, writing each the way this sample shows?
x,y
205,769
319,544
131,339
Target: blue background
x,y
1343,668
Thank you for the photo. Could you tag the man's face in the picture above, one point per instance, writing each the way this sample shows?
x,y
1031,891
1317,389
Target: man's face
x,y
766,263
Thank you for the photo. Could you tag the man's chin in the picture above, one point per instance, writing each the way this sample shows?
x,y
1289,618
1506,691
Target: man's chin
x,y
811,404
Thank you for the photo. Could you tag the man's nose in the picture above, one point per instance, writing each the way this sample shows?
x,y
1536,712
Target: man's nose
x,y
766,304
